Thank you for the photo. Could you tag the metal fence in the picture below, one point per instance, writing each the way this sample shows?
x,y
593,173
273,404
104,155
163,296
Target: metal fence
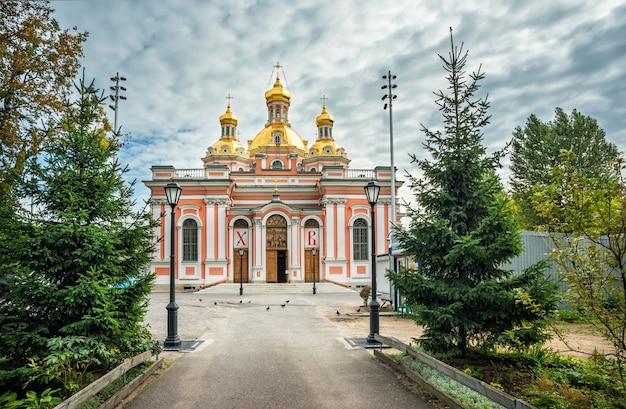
x,y
536,247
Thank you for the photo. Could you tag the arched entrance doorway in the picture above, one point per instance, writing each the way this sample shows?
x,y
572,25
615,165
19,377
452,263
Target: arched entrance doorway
x,y
240,261
311,254
276,249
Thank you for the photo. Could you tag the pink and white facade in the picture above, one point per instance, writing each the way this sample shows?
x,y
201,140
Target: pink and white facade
x,y
275,211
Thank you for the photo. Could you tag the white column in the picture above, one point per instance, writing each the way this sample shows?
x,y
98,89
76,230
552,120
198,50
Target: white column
x,y
210,229
157,207
258,255
340,227
222,205
295,247
381,227
331,225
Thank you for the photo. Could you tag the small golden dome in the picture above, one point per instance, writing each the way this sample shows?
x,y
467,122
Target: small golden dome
x,y
324,118
227,147
228,117
326,147
277,92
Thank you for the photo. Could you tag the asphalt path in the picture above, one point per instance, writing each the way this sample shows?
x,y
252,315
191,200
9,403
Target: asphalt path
x,y
255,357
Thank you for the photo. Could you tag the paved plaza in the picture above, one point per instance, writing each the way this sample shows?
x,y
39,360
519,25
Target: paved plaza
x,y
257,353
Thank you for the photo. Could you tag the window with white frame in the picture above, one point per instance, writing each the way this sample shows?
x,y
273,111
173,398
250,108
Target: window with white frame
x,y
190,240
360,240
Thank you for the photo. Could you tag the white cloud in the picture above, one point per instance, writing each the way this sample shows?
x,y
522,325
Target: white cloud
x,y
181,59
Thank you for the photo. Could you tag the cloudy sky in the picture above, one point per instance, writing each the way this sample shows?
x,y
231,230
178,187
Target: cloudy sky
x,y
182,58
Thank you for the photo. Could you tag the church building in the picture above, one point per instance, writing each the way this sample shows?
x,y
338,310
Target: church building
x,y
279,210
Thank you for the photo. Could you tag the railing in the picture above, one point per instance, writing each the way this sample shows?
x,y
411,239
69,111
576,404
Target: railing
x,y
190,173
366,174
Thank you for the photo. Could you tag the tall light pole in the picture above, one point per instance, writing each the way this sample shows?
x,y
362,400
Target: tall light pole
x,y
116,97
314,252
390,96
172,191
240,270
371,192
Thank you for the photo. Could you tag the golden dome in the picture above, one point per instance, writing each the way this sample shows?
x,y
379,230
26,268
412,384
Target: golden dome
x,y
273,133
227,147
277,92
228,117
326,147
324,118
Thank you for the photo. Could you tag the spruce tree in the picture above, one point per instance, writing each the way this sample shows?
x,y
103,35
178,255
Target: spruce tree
x,y
461,231
80,255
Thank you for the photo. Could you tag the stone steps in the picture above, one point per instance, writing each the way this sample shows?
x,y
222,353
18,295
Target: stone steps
x,y
273,288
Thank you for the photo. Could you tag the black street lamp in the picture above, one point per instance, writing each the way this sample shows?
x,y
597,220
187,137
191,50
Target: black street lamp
x,y
172,191
371,191
240,270
314,252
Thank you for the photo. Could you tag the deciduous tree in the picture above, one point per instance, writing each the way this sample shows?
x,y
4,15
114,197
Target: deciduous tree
x,y
536,151
38,60
586,218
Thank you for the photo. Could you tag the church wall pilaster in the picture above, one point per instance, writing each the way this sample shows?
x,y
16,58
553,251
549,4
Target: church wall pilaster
x,y
295,250
330,230
258,272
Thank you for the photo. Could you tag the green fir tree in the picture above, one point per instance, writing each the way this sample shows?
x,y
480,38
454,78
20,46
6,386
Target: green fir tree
x,y
461,231
80,256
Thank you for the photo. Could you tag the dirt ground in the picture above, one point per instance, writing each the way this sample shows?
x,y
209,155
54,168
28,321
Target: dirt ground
x,y
580,340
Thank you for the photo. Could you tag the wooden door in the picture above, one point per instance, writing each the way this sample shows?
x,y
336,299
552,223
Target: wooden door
x,y
240,266
311,267
271,266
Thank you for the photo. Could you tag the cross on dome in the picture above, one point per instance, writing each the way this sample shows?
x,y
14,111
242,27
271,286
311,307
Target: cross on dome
x,y
324,99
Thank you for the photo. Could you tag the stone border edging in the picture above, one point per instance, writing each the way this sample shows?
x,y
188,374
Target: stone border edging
x,y
496,395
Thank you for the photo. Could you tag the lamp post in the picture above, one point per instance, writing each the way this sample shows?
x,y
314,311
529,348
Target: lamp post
x,y
240,270
371,191
314,252
172,191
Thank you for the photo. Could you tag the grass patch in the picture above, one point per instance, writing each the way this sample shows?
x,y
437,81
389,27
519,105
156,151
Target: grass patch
x,y
115,386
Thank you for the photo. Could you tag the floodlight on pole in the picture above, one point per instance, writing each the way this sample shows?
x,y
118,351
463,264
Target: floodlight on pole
x,y
115,98
390,96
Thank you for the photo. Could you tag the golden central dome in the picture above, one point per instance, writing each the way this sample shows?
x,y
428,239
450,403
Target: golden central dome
x,y
273,133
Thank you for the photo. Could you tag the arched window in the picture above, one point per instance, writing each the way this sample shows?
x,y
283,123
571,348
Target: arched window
x,y
311,223
190,240
241,223
276,230
359,240
277,164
